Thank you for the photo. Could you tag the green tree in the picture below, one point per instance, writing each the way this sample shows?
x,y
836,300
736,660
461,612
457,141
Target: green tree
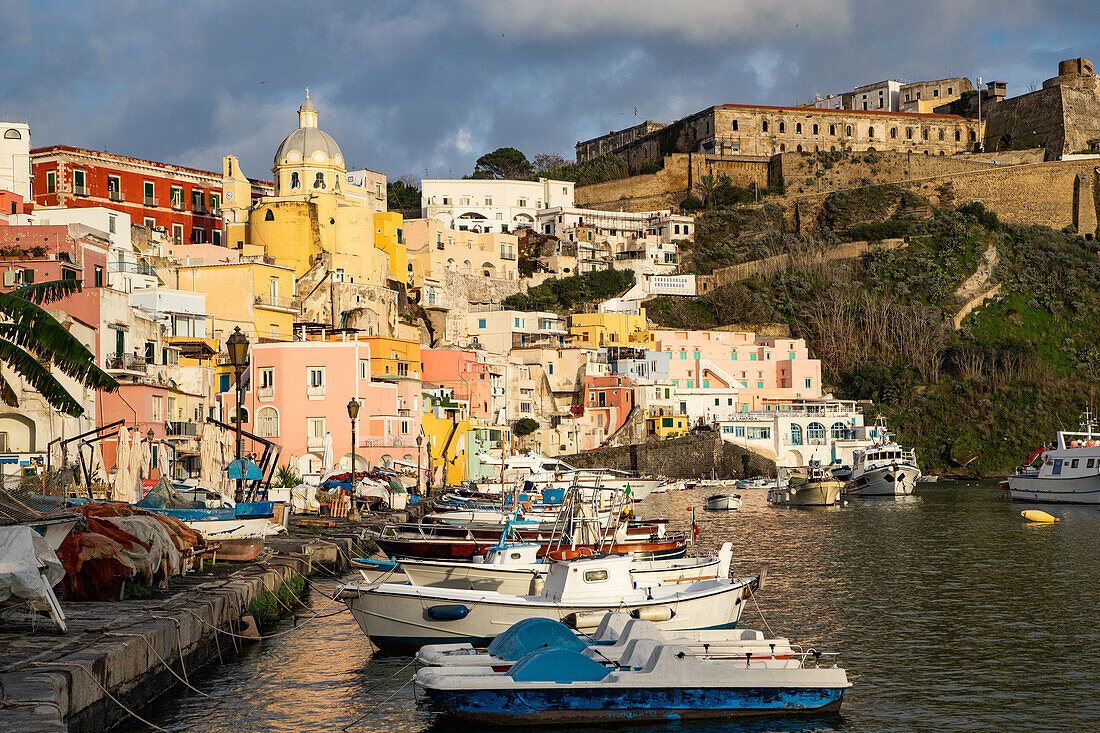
x,y
503,163
548,164
524,426
707,184
32,341
402,194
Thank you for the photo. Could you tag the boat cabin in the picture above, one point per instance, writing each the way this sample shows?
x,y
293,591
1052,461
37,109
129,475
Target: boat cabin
x,y
513,553
589,579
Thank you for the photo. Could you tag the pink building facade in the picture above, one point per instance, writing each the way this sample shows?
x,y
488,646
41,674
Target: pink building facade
x,y
607,404
758,368
297,393
474,381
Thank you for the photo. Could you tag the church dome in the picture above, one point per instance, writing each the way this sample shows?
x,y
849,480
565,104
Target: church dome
x,y
308,145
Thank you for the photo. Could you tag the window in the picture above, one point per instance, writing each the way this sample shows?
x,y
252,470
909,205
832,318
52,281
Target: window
x,y
1074,463
739,431
112,224
12,134
177,233
319,181
683,355
815,431
315,428
223,380
809,383
216,237
796,435
941,134
935,92
267,378
177,198
315,381
691,383
759,434
150,222
197,199
267,422
150,195
909,133
79,183
733,356
114,188
51,181
522,203
832,129
481,323
798,128
924,133
957,136
815,128
752,356
735,125
950,91
339,276
760,385
215,203
765,126
295,180
1057,468
595,576
839,431
155,414
198,235
870,132
848,130
782,127
893,132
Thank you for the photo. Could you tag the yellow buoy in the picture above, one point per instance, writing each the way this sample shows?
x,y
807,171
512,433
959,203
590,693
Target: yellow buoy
x,y
1034,515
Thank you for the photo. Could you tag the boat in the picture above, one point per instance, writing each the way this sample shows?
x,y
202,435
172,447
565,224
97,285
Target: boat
x,y
1067,472
723,502
541,473
882,468
923,479
577,592
652,681
608,643
807,486
515,569
757,482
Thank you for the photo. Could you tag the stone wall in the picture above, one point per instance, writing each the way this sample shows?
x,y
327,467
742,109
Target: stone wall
x,y
687,457
778,263
449,322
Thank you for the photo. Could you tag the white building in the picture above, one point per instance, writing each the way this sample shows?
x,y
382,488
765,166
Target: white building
x,y
498,331
796,432
15,158
557,221
490,205
882,96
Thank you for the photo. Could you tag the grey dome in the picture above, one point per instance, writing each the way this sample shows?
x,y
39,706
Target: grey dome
x,y
307,141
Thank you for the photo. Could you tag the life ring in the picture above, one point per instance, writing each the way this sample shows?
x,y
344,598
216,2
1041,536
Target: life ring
x,y
570,553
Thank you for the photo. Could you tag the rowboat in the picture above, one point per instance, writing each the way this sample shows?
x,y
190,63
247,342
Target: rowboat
x,y
723,502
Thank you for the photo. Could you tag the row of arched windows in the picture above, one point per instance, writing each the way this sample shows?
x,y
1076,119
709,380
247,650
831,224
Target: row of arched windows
x,y
318,181
815,432
815,129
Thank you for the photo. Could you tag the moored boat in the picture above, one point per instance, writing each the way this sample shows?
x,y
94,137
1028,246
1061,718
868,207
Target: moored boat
x,y
807,486
882,468
723,502
1068,472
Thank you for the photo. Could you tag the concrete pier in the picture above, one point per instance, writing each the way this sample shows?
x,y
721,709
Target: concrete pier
x,y
136,650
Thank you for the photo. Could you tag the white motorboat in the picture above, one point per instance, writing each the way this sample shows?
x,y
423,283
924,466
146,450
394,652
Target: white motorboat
x,y
549,473
650,679
515,569
577,592
723,502
883,468
807,486
1066,473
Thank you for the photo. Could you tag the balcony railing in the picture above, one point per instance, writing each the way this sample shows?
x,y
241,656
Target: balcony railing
x,y
315,443
152,201
181,429
265,393
177,205
197,207
387,443
276,302
137,268
80,190
114,194
126,362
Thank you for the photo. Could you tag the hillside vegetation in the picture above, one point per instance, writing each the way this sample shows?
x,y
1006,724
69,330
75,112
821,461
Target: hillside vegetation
x,y
974,401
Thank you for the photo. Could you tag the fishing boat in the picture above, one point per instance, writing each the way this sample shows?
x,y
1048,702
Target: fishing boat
x,y
577,592
540,473
757,482
723,502
882,468
807,486
609,643
515,569
652,681
1067,472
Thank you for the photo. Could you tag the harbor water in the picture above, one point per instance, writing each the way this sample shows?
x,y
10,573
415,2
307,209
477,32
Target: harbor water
x,y
950,612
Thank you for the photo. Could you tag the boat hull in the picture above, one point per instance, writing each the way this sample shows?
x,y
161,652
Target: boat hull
x,y
892,480
240,540
1042,490
815,493
634,705
399,618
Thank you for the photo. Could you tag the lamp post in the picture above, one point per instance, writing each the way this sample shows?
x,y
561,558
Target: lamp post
x,y
353,412
419,442
237,345
152,455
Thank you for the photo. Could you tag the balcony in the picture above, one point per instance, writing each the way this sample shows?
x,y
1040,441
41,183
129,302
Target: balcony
x,y
181,429
265,394
126,363
315,443
114,194
80,190
177,205
197,207
387,443
272,301
136,268
152,201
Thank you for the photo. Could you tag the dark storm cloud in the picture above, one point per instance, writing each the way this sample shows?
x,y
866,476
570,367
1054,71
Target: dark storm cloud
x,y
416,86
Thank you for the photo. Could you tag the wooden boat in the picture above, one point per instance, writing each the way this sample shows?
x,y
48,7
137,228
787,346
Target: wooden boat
x,y
651,680
723,502
808,486
577,592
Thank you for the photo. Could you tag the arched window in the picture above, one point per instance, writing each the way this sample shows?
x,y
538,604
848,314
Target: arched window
x,y
796,434
815,431
735,124
319,181
765,127
267,422
798,128
840,431
973,136
893,132
909,133
815,128
269,216
957,136
798,148
848,130
12,134
782,148
233,415
782,126
924,133
295,181
941,133
832,129
870,132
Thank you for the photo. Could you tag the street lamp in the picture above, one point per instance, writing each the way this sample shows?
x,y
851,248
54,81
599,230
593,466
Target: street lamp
x,y
353,412
237,345
152,455
419,442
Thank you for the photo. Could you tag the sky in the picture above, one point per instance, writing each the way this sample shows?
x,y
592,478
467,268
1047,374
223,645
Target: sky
x,y
423,89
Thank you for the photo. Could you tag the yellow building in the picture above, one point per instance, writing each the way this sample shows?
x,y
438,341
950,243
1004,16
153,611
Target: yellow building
x,y
666,426
392,358
257,296
593,330
316,209
446,424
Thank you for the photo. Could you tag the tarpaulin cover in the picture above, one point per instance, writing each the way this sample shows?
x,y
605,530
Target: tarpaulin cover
x,y
24,554
165,496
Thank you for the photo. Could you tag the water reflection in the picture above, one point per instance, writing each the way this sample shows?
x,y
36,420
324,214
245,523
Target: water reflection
x,y
949,610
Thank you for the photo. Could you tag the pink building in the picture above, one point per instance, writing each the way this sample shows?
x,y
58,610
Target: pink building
x,y
759,368
607,404
479,384
298,392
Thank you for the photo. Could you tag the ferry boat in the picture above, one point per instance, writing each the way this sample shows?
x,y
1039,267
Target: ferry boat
x,y
883,468
1066,473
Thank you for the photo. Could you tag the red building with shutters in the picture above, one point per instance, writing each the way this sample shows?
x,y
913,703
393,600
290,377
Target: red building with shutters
x,y
186,202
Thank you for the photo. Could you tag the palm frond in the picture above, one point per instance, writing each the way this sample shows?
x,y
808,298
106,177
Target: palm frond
x,y
39,378
51,290
52,343
7,394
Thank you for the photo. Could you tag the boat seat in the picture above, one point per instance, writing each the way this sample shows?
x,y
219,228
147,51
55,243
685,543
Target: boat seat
x,y
664,656
638,652
611,628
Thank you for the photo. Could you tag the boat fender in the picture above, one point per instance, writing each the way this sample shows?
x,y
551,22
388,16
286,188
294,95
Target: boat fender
x,y
537,584
653,613
454,612
584,619
1034,515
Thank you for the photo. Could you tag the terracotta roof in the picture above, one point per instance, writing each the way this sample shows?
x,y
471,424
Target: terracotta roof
x,y
104,154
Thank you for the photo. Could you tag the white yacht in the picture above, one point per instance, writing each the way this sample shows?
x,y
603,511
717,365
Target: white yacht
x,y
883,468
550,473
1066,473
